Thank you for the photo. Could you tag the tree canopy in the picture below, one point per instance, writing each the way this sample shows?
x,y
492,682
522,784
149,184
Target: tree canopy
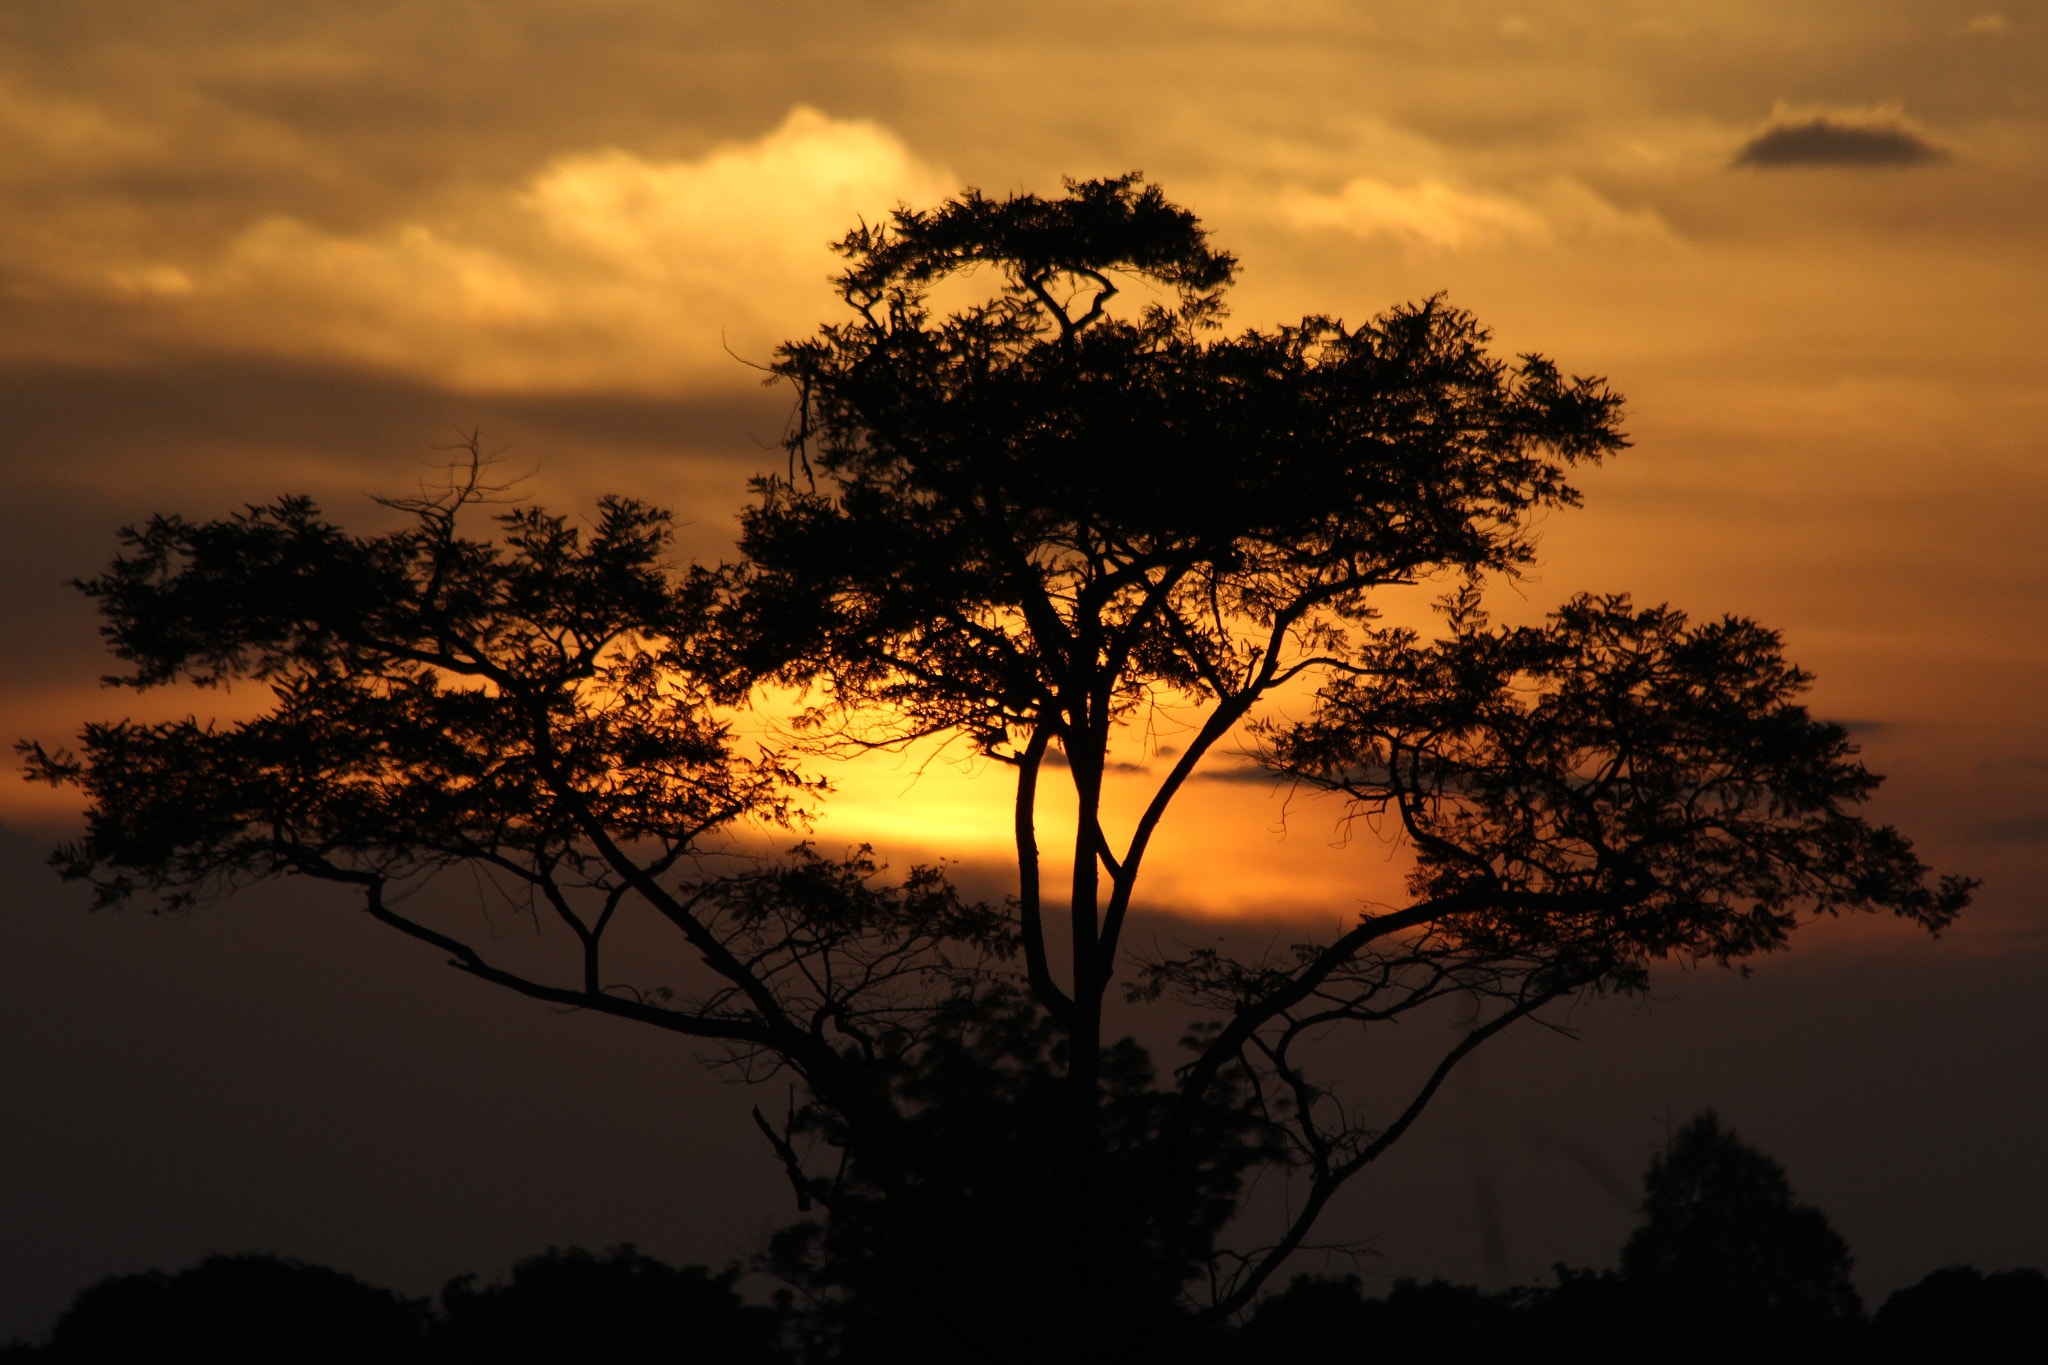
x,y
1016,524
1730,1261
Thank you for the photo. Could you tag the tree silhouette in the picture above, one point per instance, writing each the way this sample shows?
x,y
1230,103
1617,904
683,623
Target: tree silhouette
x,y
1021,525
1724,1265
979,1168
1720,1226
1730,1261
562,1305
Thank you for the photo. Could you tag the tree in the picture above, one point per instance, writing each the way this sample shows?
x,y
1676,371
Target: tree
x,y
1726,1261
1017,526
1723,1236
1725,1264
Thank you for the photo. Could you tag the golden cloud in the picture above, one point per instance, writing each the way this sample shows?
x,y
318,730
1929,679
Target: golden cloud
x,y
1429,215
604,270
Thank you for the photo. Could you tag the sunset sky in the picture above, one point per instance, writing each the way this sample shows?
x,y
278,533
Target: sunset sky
x,y
249,249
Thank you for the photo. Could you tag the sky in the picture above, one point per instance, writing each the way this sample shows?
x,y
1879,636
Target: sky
x,y
250,249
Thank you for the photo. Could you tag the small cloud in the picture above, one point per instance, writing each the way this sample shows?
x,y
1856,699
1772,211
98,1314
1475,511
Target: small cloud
x,y
2023,762
1431,216
1244,773
2026,830
1856,137
1428,213
161,281
1986,24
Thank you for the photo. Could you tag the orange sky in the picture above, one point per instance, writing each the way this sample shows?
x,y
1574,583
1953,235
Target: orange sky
x,y
252,249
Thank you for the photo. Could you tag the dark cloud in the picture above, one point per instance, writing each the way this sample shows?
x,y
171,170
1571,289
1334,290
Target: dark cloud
x,y
1243,773
2025,830
2022,762
1055,759
1830,140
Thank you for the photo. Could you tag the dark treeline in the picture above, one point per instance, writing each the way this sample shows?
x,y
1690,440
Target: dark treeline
x,y
559,1306
1724,1265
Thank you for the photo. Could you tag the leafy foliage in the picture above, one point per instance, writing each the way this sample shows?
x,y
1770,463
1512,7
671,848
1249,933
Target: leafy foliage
x,y
437,699
981,1163
1618,786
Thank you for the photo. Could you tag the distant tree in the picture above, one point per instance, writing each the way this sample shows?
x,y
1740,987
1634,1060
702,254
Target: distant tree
x,y
237,1310
1022,526
1961,1316
1724,1265
1727,1249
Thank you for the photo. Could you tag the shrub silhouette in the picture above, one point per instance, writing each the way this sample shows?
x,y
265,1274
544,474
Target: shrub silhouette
x,y
570,1306
1325,1319
237,1310
564,1307
1960,1316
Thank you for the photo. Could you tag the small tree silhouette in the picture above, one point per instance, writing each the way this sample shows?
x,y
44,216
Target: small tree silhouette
x,y
1729,1261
